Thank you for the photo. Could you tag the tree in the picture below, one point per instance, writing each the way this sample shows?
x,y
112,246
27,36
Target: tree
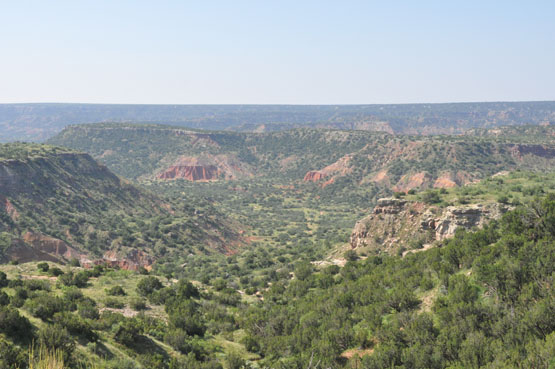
x,y
148,285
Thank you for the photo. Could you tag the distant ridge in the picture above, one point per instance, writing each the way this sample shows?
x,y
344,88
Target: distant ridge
x,y
39,121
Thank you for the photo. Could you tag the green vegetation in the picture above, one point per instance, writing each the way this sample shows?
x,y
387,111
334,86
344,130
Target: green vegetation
x,y
484,298
257,272
50,192
179,325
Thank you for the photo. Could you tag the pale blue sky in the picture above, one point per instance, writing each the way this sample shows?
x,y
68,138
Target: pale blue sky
x,y
298,52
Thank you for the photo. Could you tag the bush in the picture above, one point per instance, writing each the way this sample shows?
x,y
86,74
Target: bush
x,y
88,310
55,272
114,303
127,332
115,291
350,255
45,306
43,267
251,344
431,197
179,340
4,299
70,279
4,280
14,325
75,325
137,304
36,285
148,285
235,361
11,356
56,337
73,294
503,199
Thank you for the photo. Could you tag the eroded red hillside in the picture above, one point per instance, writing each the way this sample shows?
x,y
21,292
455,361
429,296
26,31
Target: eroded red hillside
x,y
206,168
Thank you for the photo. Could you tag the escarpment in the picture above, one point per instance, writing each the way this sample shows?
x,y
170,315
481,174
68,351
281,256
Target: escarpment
x,y
314,176
400,224
206,168
191,172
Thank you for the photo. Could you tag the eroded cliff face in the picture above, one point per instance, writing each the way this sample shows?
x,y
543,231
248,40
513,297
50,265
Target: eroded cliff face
x,y
314,176
37,246
339,168
397,223
541,151
130,259
206,168
191,172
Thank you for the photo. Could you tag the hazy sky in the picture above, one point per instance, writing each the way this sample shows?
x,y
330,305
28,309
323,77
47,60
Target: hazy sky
x,y
281,51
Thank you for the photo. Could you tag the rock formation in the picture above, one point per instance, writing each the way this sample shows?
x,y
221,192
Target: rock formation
x,y
206,168
339,168
314,176
396,223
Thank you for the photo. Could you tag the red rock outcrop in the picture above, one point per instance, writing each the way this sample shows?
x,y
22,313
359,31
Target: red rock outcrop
x,y
206,168
314,176
191,172
409,182
51,245
339,168
8,207
132,260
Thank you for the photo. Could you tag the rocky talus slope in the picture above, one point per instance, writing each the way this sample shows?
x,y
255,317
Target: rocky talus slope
x,y
400,224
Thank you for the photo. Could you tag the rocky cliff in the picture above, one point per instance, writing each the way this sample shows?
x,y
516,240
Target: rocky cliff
x,y
206,168
400,224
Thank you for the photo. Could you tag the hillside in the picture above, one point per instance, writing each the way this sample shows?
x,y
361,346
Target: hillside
x,y
484,299
401,163
58,204
41,121
419,220
296,194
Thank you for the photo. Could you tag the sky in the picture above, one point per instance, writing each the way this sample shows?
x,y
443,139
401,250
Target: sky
x,y
276,51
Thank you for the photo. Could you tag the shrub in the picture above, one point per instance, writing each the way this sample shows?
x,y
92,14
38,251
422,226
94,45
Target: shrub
x,y
114,303
75,325
55,272
88,310
14,325
4,299
431,197
148,285
251,344
350,255
127,332
56,337
36,285
73,294
43,267
11,356
115,291
45,306
235,361
4,280
70,279
138,304
503,199
179,340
